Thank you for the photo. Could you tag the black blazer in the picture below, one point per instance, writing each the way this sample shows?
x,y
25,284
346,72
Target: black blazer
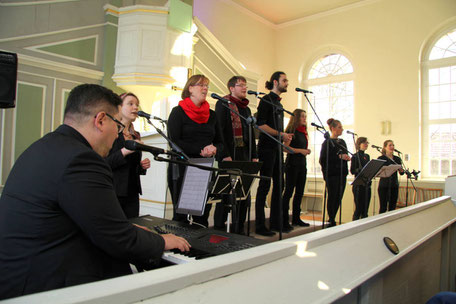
x,y
60,221
125,170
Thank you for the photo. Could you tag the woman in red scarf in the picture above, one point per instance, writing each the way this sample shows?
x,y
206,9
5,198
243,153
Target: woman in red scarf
x,y
296,167
193,126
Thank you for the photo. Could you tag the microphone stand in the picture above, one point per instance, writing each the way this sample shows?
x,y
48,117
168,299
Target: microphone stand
x,y
325,133
279,110
232,172
409,176
251,122
174,167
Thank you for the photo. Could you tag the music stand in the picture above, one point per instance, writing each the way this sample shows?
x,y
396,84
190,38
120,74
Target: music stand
x,y
195,187
368,172
239,180
387,171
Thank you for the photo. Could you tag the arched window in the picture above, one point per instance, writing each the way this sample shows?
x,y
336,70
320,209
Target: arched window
x,y
331,81
439,107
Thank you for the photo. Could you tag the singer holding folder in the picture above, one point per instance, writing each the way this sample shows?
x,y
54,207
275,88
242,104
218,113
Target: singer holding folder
x,y
193,127
388,188
337,169
361,193
126,164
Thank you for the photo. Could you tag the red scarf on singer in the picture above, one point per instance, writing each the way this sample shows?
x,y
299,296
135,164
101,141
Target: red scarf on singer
x,y
197,114
303,129
235,119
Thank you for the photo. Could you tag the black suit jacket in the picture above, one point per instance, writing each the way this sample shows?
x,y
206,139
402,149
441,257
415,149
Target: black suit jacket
x,y
60,221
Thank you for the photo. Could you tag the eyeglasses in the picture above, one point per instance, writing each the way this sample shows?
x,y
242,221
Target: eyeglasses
x,y
202,85
241,85
120,126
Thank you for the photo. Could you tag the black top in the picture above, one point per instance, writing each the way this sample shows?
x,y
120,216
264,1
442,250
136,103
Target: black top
x,y
267,115
359,157
192,137
224,119
335,164
391,181
60,221
299,141
125,170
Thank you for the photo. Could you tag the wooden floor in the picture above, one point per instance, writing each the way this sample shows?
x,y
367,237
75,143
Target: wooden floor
x,y
313,218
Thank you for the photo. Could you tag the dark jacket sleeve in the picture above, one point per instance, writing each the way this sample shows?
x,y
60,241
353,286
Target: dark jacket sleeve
x,y
263,112
218,141
222,118
354,164
88,198
115,157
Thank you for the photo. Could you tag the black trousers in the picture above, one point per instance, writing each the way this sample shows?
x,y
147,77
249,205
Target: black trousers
x,y
270,167
336,188
362,195
130,205
388,198
295,180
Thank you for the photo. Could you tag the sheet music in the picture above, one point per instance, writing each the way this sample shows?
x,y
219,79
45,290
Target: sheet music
x,y
387,171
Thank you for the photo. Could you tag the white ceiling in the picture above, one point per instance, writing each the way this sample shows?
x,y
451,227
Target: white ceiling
x,y
281,11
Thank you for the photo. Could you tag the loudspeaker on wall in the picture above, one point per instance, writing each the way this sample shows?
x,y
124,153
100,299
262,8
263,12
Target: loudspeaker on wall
x,y
8,79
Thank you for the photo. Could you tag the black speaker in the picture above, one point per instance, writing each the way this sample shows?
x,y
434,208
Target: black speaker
x,y
8,79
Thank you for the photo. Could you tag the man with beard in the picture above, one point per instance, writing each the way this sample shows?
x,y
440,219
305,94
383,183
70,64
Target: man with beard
x,y
271,121
237,142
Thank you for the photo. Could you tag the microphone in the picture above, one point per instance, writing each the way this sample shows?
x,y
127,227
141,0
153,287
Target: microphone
x,y
250,92
316,126
215,96
304,91
376,147
398,151
148,116
352,133
136,146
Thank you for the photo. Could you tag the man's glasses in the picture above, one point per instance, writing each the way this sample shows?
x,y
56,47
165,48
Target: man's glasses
x,y
120,126
241,85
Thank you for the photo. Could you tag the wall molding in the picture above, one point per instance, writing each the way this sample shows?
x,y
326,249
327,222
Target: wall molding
x,y
59,67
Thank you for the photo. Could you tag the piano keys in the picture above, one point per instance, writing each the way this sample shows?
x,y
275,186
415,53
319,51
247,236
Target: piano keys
x,y
205,242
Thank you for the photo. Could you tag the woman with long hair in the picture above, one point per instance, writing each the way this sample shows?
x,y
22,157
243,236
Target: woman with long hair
x,y
193,127
296,167
388,188
126,164
333,161
361,193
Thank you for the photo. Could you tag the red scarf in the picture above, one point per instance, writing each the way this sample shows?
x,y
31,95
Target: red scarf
x,y
235,119
197,114
303,129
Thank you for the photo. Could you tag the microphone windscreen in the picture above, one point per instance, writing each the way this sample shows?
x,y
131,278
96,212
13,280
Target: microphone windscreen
x,y
130,145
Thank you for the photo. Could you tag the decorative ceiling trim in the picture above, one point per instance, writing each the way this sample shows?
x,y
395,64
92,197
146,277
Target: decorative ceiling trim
x,y
225,56
298,20
25,3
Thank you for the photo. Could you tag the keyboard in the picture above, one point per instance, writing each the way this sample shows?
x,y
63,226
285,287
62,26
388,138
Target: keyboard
x,y
205,242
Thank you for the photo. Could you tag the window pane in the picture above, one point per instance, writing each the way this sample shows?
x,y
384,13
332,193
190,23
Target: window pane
x,y
433,76
445,167
330,65
445,47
